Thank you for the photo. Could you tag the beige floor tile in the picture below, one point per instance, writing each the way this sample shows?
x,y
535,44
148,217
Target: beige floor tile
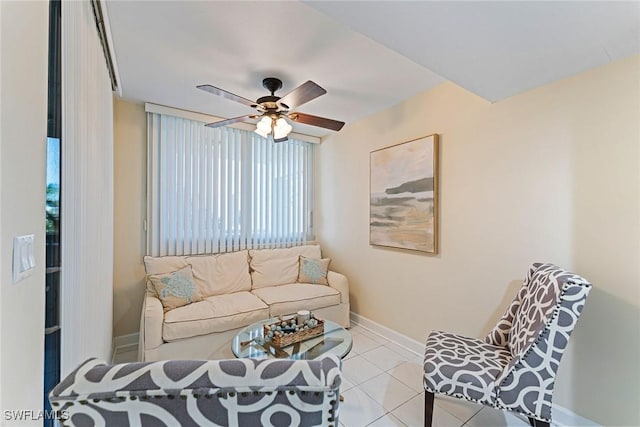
x,y
358,370
410,373
358,409
384,358
387,421
363,343
496,418
459,408
388,391
412,414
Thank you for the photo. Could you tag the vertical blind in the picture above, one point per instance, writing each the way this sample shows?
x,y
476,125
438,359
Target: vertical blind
x,y
86,203
225,189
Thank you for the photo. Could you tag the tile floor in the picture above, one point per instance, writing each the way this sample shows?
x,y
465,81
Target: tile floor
x,y
382,387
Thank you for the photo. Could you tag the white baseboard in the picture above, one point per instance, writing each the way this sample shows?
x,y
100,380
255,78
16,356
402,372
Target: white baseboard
x,y
395,337
124,341
562,417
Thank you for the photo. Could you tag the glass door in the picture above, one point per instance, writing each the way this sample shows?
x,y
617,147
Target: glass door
x,y
52,212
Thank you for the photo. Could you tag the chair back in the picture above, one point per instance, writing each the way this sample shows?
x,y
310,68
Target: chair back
x,y
234,392
548,309
499,335
540,302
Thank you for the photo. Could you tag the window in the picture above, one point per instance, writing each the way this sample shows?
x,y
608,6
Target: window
x,y
225,189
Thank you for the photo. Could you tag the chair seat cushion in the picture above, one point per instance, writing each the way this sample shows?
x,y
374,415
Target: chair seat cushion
x,y
463,367
217,313
288,299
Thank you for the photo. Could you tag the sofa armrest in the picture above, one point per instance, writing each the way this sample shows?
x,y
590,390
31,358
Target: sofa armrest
x,y
151,322
339,282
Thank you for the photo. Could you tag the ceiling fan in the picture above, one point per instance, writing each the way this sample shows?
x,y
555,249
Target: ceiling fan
x,y
272,109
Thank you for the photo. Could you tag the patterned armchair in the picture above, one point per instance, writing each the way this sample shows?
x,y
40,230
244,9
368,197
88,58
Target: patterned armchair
x,y
235,392
514,367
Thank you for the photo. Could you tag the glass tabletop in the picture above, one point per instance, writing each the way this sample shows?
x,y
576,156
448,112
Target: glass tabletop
x,y
249,342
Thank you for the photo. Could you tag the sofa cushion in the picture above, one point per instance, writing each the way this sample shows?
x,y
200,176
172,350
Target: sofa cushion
x,y
213,274
163,264
288,299
175,289
274,267
313,270
221,274
216,313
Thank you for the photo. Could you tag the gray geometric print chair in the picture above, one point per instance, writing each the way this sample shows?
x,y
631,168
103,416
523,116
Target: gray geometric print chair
x,y
234,392
514,367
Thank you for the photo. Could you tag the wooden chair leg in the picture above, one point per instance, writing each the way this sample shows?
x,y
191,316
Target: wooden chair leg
x,y
428,408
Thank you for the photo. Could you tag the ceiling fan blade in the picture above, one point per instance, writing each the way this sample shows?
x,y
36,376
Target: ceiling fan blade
x,y
228,95
229,121
322,122
301,95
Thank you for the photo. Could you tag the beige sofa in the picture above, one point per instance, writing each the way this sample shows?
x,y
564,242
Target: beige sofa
x,y
239,288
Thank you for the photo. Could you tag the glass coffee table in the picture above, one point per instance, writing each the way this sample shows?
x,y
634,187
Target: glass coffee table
x,y
249,342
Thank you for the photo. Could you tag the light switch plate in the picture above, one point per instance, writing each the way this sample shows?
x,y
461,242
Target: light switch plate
x,y
24,260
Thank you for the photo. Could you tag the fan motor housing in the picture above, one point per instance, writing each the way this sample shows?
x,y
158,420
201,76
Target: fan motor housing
x,y
272,84
269,102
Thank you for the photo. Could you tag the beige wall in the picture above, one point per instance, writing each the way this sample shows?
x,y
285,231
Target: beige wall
x,y
549,175
23,131
130,159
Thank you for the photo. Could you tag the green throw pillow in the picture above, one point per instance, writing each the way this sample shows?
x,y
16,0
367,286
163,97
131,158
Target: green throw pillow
x,y
175,289
313,270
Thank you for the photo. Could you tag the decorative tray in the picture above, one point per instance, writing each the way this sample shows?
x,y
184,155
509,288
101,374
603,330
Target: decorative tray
x,y
286,332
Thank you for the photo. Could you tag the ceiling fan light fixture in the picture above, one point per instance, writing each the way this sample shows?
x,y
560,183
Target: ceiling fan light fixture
x,y
261,133
274,109
263,128
281,128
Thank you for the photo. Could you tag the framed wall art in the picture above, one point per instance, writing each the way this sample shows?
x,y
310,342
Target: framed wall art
x,y
403,209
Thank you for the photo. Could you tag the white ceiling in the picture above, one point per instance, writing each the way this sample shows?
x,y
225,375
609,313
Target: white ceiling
x,y
498,49
368,55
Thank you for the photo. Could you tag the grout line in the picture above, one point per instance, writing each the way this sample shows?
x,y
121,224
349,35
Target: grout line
x,y
379,418
463,422
390,410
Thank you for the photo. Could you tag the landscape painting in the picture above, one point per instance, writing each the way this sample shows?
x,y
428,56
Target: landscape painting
x,y
404,195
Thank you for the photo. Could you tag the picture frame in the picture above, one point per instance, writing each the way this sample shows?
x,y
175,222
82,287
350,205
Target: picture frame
x,y
403,195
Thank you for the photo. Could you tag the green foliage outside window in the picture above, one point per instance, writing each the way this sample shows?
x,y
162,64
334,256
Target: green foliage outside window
x,y
53,208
